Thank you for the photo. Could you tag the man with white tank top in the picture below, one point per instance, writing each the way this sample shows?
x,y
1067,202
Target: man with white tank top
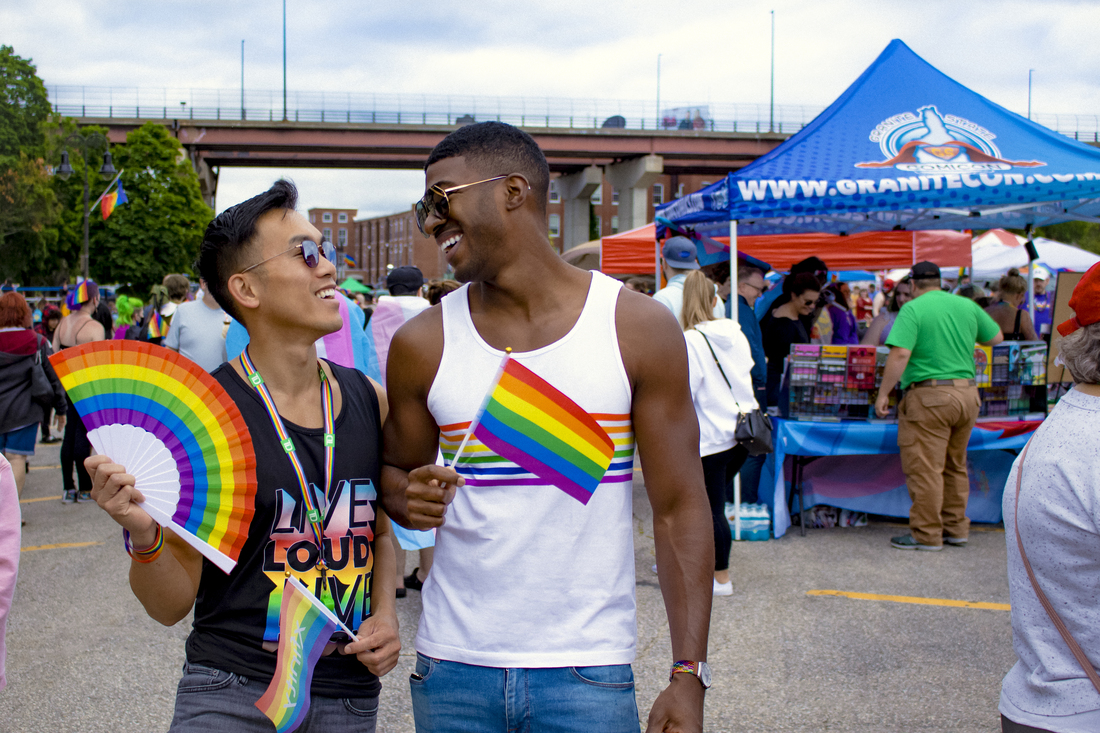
x,y
529,615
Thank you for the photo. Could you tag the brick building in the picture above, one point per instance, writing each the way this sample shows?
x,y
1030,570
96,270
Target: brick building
x,y
377,244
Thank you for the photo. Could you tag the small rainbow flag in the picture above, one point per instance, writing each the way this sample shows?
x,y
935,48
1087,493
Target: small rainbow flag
x,y
157,327
80,295
527,421
349,260
305,626
108,203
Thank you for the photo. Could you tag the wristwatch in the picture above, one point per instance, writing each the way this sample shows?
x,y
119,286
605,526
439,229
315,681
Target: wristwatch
x,y
699,669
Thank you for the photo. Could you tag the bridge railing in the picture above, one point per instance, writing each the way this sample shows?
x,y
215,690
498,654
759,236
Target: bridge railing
x,y
434,109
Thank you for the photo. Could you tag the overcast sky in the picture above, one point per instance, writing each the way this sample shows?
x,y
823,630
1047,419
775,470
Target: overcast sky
x,y
713,51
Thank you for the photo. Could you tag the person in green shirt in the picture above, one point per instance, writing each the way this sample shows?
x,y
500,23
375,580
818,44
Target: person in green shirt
x,y
932,355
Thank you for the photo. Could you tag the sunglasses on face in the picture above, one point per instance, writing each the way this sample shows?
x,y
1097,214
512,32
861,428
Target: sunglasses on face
x,y
437,203
809,302
311,253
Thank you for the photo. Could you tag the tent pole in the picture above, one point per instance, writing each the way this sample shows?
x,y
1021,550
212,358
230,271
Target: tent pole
x,y
656,262
733,268
1031,291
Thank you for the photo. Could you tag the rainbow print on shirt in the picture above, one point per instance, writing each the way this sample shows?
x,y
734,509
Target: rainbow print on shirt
x,y
349,516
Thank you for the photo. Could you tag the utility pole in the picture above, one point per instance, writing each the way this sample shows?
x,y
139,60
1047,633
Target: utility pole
x,y
771,106
658,91
242,78
284,60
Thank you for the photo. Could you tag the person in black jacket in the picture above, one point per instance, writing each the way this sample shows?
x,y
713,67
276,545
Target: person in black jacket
x,y
22,351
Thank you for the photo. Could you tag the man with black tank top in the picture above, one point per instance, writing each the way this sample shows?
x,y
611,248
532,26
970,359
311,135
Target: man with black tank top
x,y
268,267
529,618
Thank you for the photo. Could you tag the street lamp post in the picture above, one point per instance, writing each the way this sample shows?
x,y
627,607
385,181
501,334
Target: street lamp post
x,y
84,143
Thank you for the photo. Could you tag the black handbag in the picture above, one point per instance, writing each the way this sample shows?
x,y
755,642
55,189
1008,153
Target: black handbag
x,y
41,389
754,429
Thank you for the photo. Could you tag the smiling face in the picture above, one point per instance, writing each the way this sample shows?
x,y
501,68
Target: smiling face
x,y
284,290
473,228
805,302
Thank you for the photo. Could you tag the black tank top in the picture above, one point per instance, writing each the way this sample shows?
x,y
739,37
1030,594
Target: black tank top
x,y
236,613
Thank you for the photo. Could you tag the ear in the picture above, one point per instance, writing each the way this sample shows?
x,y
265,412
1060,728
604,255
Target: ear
x,y
516,192
244,291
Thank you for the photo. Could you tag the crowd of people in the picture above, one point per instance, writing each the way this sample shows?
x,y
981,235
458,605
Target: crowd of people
x,y
401,377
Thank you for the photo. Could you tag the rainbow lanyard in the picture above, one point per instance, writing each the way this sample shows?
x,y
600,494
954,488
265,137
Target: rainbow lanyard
x,y
314,514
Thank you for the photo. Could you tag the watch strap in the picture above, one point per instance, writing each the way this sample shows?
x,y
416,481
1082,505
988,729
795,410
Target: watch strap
x,y
683,667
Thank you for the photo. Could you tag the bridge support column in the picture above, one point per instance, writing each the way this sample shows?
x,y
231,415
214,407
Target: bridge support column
x,y
208,180
576,191
633,178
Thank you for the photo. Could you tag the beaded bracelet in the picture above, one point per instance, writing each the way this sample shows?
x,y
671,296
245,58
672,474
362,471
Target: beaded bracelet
x,y
147,555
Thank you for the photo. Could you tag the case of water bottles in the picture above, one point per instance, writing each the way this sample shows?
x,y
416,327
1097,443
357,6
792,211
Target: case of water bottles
x,y
755,522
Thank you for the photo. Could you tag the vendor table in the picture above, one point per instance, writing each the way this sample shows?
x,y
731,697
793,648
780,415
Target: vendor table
x,y
860,469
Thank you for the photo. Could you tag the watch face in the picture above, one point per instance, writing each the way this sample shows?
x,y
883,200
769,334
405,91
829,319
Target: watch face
x,y
704,674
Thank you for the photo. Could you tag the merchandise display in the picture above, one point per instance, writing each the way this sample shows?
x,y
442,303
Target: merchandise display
x,y
832,383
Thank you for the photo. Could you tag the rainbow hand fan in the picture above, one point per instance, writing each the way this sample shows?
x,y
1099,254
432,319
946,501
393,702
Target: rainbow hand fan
x,y
177,432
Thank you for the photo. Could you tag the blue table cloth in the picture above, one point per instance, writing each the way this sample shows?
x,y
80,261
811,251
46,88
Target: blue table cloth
x,y
860,468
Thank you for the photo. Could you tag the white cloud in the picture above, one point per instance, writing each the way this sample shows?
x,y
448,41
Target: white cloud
x,y
713,51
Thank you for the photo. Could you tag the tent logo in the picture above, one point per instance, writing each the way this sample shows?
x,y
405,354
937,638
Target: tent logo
x,y
928,142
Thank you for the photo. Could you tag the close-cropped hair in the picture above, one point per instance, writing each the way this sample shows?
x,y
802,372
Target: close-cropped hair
x,y
744,273
1080,352
498,149
227,244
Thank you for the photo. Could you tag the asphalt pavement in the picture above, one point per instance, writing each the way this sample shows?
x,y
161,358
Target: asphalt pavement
x,y
84,657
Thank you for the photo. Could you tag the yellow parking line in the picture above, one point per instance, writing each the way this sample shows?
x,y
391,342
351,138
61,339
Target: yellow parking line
x,y
41,498
42,468
913,599
59,546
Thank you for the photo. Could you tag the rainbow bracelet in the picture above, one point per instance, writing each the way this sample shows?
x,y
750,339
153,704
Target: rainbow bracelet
x,y
147,555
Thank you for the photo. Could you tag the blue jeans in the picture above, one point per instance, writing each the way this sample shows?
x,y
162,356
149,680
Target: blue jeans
x,y
209,700
461,698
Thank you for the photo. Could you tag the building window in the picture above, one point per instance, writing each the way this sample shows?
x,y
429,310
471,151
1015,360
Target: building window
x,y
658,194
614,196
326,234
598,226
597,195
312,217
326,217
614,225
555,194
703,185
342,237
342,218
555,226
680,191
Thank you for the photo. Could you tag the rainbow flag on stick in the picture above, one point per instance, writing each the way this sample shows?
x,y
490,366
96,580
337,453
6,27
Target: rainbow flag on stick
x,y
529,422
305,626
109,201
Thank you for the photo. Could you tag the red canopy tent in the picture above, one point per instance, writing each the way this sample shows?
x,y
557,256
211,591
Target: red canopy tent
x,y
633,252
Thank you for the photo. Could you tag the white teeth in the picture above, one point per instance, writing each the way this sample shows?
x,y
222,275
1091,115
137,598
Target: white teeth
x,y
327,293
450,243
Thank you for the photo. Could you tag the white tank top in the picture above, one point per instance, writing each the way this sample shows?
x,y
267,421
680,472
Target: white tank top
x,y
525,575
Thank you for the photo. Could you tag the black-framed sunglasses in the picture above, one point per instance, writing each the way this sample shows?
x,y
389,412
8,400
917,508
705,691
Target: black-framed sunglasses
x,y
436,202
311,253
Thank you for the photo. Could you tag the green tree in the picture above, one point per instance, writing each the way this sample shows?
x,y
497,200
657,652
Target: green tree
x,y
24,106
1083,234
28,206
160,229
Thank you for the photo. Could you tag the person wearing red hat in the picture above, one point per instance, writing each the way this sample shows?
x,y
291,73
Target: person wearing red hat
x,y
932,355
1051,513
880,297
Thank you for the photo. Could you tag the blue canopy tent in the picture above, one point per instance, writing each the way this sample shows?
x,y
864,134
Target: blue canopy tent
x,y
904,148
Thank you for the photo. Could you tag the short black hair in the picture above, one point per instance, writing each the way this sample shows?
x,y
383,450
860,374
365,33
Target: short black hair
x,y
228,239
497,148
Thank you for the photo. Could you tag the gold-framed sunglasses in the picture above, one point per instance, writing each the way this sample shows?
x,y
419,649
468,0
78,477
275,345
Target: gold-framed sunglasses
x,y
436,202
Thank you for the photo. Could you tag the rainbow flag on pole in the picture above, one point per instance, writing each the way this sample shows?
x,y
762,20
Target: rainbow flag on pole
x,y
526,420
305,626
108,203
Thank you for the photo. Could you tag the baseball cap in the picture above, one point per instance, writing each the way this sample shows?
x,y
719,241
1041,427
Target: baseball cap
x,y
1041,273
887,285
405,279
1085,302
679,253
925,271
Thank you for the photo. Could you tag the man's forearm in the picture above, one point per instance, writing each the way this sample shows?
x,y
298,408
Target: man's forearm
x,y
384,580
394,482
685,567
168,586
895,367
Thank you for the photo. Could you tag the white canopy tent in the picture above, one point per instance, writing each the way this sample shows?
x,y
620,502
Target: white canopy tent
x,y
996,251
